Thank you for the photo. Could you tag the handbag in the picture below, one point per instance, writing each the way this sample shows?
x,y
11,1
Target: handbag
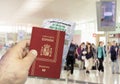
x,y
83,57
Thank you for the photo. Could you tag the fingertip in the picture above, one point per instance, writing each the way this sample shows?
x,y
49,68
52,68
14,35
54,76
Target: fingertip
x,y
34,52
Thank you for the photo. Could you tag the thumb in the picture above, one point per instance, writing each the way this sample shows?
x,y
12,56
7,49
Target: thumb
x,y
30,58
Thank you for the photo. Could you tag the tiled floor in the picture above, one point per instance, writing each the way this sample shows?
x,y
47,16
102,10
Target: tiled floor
x,y
80,77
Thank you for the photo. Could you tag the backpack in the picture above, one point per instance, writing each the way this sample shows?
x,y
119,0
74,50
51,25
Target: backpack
x,y
72,48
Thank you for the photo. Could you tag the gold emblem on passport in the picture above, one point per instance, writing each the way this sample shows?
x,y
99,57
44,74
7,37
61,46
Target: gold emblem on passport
x,y
46,50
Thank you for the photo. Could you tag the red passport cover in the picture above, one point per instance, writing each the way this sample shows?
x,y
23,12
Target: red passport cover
x,y
49,45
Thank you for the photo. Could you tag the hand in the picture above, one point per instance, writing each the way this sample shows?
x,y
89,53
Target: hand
x,y
15,64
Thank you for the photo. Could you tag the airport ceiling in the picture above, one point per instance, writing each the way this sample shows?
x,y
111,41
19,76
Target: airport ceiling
x,y
36,11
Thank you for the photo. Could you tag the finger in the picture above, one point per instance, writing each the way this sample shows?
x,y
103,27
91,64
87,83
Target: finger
x,y
19,48
30,57
25,52
22,44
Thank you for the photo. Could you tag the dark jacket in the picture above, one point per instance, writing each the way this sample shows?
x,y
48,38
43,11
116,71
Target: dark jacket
x,y
71,52
72,49
113,53
89,54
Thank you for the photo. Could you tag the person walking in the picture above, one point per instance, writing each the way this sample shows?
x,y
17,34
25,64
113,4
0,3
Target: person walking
x,y
89,58
101,55
114,57
79,52
70,59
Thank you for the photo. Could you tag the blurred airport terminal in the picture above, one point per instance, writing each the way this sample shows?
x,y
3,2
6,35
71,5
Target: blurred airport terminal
x,y
92,27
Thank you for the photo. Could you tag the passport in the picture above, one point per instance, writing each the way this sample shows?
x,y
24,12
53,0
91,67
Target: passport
x,y
49,45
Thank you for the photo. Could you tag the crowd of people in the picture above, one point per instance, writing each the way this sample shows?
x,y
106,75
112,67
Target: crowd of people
x,y
89,56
